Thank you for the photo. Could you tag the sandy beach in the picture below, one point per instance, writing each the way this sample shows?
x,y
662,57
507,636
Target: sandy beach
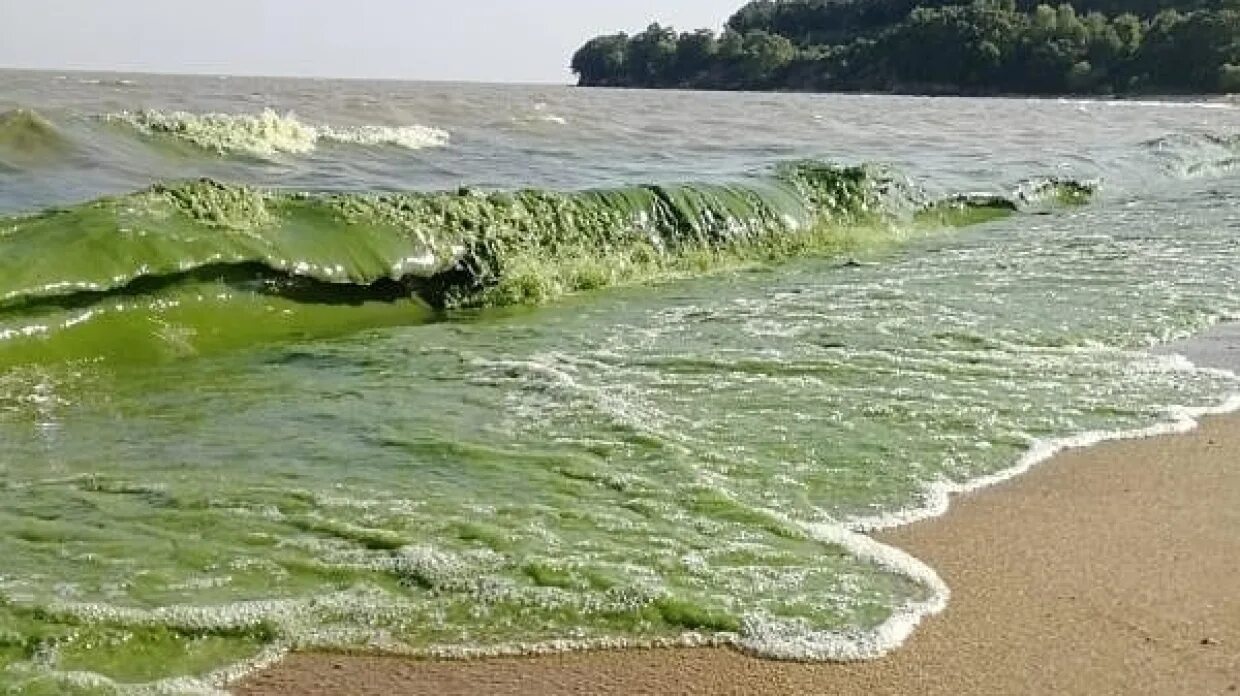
x,y
1110,570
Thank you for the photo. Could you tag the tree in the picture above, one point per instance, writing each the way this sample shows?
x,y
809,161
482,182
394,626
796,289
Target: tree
x,y
695,53
1129,29
952,46
1187,52
1229,78
602,60
763,55
651,54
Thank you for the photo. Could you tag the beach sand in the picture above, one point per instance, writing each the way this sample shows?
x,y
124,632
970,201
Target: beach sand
x,y
1108,570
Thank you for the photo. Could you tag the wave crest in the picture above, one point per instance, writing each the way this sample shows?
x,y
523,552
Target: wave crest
x,y
409,137
469,248
216,250
269,133
26,136
1194,155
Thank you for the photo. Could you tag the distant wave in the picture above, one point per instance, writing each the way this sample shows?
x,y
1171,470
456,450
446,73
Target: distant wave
x,y
107,83
26,137
548,117
269,133
1190,155
1212,103
539,116
408,137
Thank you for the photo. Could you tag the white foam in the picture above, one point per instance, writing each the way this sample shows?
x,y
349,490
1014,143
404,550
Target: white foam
x,y
1149,103
766,636
408,137
269,133
936,497
540,114
212,684
784,640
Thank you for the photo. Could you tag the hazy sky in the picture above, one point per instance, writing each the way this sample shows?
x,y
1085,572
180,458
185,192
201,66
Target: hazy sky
x,y
493,40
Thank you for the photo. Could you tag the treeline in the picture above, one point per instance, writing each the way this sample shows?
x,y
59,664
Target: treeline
x,y
935,47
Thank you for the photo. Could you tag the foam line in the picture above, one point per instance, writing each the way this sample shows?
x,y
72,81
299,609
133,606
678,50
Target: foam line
x,y
771,639
853,536
937,495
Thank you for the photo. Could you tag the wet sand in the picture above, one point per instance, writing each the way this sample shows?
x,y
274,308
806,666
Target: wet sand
x,y
1109,570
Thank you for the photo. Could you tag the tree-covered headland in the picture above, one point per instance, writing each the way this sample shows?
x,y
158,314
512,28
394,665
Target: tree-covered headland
x,y
937,47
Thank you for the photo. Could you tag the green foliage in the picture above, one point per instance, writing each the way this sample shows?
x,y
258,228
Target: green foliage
x,y
937,46
602,56
1229,78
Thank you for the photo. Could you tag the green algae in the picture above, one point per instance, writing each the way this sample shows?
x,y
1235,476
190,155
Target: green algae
x,y
201,266
185,320
961,211
116,652
548,575
693,616
154,653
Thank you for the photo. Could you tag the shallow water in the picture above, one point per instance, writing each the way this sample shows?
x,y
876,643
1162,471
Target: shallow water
x,y
679,460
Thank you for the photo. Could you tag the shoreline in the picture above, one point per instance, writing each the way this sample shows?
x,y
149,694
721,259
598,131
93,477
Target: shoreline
x,y
938,544
1186,97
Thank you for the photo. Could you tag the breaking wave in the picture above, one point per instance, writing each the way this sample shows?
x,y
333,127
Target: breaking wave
x,y
269,133
62,271
26,137
1193,155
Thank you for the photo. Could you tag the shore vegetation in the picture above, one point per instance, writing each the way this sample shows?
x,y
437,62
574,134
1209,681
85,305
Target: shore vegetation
x,y
1090,47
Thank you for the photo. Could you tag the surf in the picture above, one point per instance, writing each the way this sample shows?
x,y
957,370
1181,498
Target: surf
x,y
188,255
269,133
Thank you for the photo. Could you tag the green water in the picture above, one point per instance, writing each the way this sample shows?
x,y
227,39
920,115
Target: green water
x,y
200,266
624,466
238,419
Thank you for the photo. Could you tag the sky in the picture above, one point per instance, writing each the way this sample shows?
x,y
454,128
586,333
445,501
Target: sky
x,y
475,40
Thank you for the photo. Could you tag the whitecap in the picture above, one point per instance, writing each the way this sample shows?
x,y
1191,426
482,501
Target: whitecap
x,y
269,133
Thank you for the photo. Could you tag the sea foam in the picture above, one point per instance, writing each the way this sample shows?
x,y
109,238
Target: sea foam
x,y
782,640
270,133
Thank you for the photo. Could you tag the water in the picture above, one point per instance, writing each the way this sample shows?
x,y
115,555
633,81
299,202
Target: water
x,y
215,451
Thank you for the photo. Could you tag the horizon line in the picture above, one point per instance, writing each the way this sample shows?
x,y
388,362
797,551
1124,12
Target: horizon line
x,y
286,76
